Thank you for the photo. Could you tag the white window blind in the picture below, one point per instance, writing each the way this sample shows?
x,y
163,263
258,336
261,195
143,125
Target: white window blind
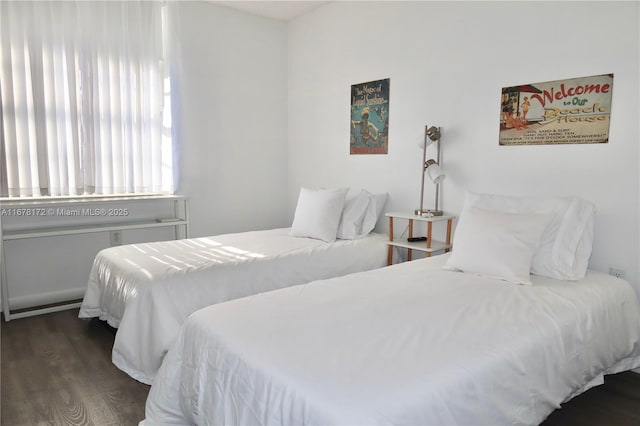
x,y
85,99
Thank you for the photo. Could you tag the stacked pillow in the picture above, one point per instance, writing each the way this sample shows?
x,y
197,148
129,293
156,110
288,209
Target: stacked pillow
x,y
327,214
508,237
361,213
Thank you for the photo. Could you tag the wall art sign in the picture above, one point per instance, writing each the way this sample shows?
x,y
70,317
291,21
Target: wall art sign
x,y
574,111
370,117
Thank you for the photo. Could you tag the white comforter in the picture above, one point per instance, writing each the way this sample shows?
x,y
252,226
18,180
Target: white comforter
x,y
147,290
408,344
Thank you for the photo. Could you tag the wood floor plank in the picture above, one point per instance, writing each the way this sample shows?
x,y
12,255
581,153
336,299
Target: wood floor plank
x,y
57,370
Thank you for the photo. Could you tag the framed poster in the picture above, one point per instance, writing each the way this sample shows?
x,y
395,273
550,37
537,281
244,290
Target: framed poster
x,y
370,117
574,111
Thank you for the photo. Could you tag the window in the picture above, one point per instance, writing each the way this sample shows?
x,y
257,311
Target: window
x,y
85,99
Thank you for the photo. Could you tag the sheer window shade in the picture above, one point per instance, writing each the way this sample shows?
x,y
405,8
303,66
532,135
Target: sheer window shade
x,y
85,99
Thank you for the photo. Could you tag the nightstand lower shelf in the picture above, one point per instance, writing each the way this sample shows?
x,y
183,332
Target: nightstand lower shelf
x,y
429,246
420,245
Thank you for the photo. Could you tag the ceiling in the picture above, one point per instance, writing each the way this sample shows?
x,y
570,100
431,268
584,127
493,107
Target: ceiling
x,y
281,10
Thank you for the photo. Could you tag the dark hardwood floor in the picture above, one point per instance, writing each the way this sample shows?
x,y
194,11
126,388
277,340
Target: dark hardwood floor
x,y
616,403
57,370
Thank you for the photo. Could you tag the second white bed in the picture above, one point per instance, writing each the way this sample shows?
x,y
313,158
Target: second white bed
x,y
408,344
147,290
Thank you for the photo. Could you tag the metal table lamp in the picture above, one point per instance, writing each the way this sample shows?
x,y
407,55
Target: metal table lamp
x,y
432,168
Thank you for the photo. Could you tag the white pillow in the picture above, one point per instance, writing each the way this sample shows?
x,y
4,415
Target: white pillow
x,y
318,213
496,244
374,212
566,245
355,207
569,258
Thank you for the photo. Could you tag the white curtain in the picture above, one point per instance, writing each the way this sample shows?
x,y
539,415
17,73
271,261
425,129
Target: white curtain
x,y
85,98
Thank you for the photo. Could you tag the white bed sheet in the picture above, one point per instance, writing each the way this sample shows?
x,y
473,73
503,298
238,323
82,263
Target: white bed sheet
x,y
147,290
408,344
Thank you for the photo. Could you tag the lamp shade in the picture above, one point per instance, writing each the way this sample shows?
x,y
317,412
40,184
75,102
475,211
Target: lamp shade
x,y
433,170
432,134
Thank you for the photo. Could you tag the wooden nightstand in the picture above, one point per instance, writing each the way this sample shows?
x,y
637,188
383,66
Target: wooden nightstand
x,y
429,246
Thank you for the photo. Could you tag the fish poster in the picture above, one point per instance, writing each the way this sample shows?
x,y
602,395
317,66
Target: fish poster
x,y
370,117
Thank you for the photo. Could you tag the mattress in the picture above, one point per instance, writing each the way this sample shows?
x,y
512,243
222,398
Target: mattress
x,y
147,290
407,344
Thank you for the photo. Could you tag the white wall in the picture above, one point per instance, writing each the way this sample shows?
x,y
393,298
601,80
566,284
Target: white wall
x,y
232,118
447,62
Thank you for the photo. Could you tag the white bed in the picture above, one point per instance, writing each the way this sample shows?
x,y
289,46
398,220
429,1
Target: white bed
x,y
147,290
408,344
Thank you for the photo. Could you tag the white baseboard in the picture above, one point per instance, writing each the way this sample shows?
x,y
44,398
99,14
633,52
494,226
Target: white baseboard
x,y
22,302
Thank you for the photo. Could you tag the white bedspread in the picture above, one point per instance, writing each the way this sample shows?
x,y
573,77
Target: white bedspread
x,y
147,290
408,344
